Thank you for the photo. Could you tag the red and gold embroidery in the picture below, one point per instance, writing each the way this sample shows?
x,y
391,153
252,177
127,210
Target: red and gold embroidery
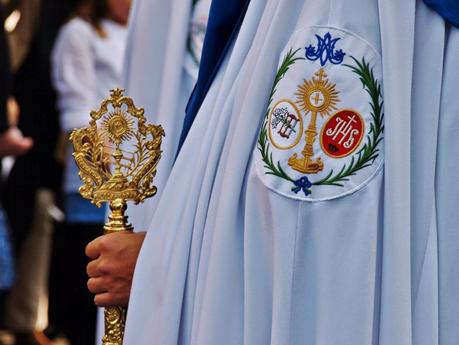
x,y
342,133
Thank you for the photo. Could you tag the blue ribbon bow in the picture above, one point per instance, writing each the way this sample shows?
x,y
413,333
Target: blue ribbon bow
x,y
302,184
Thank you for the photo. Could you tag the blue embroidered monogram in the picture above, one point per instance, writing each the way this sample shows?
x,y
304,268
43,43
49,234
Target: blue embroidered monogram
x,y
325,50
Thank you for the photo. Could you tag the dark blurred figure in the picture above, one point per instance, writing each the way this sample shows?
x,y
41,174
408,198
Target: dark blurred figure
x,y
4,74
11,143
34,183
11,140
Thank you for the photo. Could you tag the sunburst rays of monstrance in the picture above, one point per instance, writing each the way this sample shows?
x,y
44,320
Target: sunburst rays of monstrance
x,y
315,96
117,155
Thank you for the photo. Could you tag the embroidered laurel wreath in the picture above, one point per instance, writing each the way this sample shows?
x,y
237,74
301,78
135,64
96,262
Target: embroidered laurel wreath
x,y
361,159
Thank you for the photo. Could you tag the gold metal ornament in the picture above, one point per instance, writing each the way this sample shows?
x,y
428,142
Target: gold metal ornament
x,y
117,156
315,96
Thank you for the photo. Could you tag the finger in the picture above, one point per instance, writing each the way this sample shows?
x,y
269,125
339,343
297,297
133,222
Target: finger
x,y
97,285
92,269
93,248
107,299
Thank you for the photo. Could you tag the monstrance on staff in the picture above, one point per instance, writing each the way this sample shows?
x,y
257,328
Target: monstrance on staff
x,y
117,155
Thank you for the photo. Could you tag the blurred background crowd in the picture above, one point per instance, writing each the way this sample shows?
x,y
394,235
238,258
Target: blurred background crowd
x,y
58,59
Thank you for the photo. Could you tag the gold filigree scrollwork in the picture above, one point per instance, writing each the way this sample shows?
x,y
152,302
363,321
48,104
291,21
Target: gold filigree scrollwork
x,y
114,172
114,325
117,156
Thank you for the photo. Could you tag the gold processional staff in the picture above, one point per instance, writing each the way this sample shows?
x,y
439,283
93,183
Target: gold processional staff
x,y
117,156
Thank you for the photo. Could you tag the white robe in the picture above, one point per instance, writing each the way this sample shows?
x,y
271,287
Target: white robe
x,y
159,75
232,258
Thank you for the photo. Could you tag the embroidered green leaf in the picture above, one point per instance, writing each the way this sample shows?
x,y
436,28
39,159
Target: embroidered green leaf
x,y
263,144
370,151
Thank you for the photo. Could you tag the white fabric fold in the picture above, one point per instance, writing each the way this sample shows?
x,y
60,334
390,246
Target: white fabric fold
x,y
155,77
229,261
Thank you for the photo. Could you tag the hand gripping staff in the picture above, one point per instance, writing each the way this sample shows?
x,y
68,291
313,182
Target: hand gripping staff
x,y
117,155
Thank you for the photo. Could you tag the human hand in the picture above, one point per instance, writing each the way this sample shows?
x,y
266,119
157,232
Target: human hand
x,y
12,142
111,270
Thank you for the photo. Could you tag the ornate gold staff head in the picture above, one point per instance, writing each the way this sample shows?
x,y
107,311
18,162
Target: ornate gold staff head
x,y
117,156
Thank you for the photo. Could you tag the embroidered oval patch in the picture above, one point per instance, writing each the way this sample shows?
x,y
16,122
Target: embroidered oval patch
x,y
322,136
286,125
342,133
